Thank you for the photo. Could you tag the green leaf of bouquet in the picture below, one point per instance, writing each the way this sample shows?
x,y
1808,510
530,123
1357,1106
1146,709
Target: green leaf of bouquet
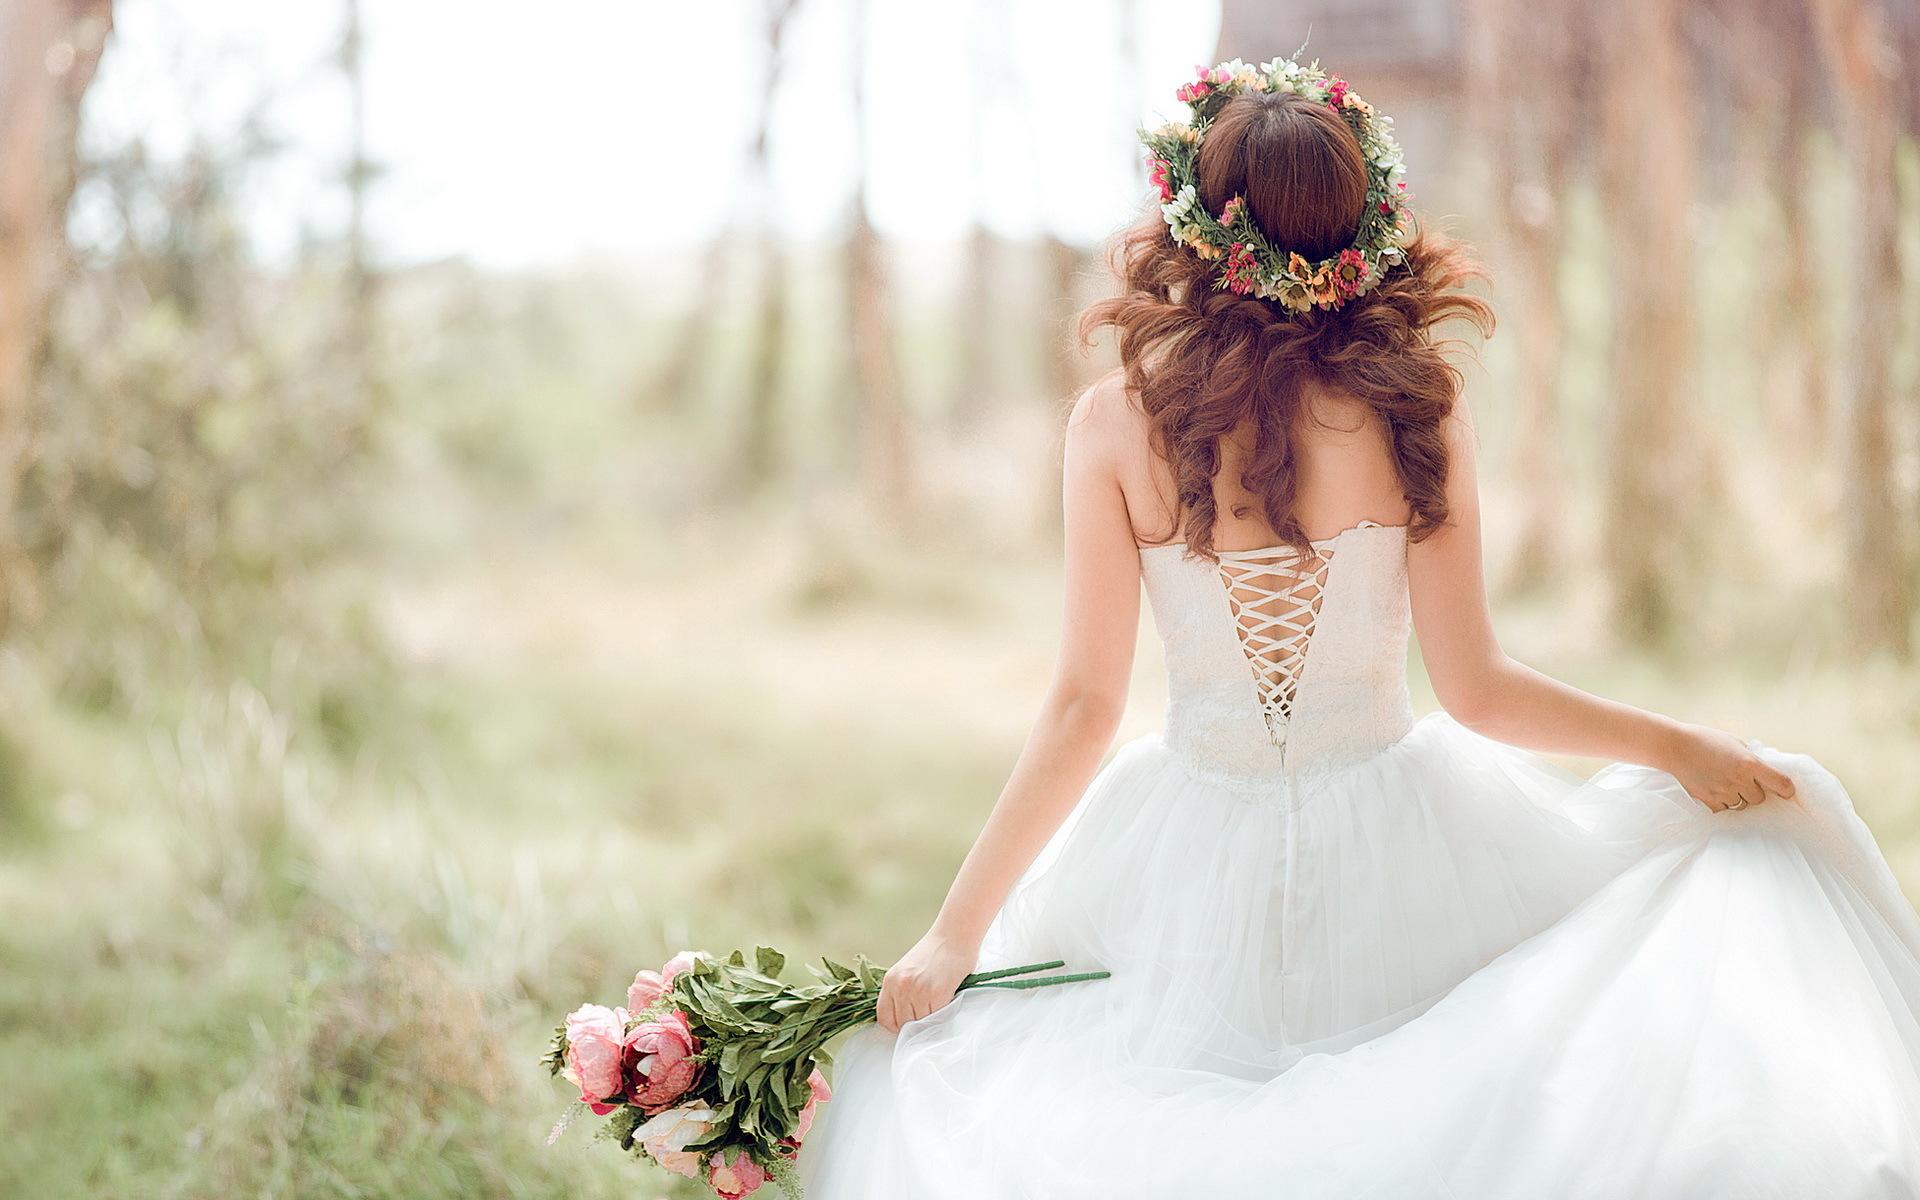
x,y
768,960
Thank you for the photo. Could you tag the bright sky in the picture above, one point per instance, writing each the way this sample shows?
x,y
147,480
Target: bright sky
x,y
516,134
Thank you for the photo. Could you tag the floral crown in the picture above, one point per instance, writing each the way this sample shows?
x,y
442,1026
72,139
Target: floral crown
x,y
1250,264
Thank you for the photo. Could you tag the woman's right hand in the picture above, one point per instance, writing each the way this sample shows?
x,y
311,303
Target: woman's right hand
x,y
1721,771
924,980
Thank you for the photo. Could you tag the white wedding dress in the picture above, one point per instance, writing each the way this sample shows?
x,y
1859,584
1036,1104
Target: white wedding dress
x,y
1361,956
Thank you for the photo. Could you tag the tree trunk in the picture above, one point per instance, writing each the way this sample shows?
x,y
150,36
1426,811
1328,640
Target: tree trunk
x,y
1647,185
880,412
1879,607
1802,316
362,319
49,53
970,402
1065,366
1775,57
761,440
1528,51
973,380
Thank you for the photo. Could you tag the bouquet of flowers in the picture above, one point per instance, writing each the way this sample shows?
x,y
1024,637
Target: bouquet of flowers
x,y
712,1069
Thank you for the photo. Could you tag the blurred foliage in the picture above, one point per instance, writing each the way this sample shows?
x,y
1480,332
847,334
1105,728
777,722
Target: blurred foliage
x,y
361,726
199,466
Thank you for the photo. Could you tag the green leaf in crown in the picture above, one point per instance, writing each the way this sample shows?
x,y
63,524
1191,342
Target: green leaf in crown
x,y
1249,264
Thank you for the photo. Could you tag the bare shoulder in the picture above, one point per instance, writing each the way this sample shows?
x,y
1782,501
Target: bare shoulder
x,y
1106,423
1460,420
1463,440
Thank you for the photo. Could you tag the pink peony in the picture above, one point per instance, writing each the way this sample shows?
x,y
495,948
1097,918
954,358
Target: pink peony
x,y
1336,91
595,1052
666,1135
742,1177
649,986
663,1063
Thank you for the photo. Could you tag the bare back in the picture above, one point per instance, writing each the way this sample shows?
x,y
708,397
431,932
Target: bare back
x,y
1345,465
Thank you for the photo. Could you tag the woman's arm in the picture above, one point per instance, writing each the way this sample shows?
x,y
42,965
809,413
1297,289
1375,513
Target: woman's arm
x,y
1076,722
1494,695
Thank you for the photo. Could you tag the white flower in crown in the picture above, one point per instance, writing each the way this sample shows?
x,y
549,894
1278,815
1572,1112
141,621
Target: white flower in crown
x,y
1181,206
1285,68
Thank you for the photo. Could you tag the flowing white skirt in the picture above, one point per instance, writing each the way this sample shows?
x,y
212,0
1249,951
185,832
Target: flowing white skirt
x,y
1450,971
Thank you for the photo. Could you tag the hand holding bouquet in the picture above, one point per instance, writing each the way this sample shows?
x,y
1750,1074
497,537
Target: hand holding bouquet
x,y
713,1067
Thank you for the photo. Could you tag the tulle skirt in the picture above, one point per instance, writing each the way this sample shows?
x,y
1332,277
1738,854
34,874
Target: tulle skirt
x,y
1449,971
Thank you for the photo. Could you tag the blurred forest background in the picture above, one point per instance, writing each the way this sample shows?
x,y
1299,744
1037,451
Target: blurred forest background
x,y
488,498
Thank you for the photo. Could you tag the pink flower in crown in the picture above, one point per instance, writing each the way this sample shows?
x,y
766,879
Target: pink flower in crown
x,y
663,1065
732,1180
1240,268
1336,91
1157,176
595,1054
1232,211
649,986
1350,272
1206,79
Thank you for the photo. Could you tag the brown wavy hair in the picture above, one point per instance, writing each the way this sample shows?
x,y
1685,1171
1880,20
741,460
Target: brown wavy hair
x,y
1205,363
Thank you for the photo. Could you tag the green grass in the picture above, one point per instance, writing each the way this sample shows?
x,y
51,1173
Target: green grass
x,y
248,956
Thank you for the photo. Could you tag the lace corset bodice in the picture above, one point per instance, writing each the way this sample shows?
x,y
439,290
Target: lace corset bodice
x,y
1279,668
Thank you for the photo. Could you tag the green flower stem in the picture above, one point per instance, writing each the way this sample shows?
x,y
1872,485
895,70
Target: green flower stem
x,y
1045,980
979,977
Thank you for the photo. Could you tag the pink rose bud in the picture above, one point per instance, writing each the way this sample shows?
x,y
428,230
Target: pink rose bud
x,y
741,1177
682,961
649,986
663,1066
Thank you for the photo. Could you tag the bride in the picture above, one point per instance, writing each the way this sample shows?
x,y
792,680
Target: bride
x,y
1358,954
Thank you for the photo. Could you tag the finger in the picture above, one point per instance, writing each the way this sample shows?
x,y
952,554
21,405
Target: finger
x,y
1750,793
885,1013
1776,781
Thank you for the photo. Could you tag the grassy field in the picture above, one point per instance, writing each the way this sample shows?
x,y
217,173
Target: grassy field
x,y
245,956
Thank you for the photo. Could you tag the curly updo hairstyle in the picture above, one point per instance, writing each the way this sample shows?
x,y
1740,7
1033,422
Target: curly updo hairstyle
x,y
1205,362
